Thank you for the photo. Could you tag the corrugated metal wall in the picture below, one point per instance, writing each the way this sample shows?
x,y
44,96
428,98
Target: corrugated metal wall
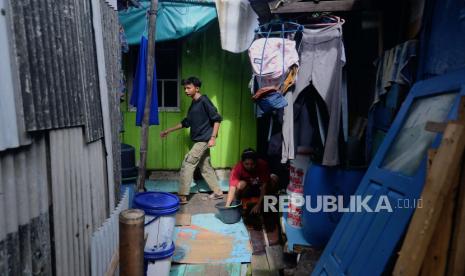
x,y
54,193
11,106
76,184
25,240
225,77
105,241
79,194
112,46
56,57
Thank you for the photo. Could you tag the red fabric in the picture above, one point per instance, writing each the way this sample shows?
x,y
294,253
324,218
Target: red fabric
x,y
259,176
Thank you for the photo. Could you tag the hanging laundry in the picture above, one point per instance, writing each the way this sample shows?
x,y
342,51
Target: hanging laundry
x,y
394,66
262,92
290,78
302,129
321,64
140,85
288,147
237,22
272,57
394,76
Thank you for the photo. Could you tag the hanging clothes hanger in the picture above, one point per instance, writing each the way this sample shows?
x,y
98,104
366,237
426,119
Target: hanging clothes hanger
x,y
278,27
324,20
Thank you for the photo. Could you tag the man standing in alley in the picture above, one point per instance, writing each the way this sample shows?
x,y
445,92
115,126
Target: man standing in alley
x,y
204,121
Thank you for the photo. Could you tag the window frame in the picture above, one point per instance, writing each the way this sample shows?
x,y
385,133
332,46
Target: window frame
x,y
162,107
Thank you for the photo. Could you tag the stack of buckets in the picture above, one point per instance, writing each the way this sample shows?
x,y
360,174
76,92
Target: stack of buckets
x,y
160,218
295,189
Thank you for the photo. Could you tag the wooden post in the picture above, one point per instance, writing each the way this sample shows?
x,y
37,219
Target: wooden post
x,y
439,182
144,134
435,261
131,242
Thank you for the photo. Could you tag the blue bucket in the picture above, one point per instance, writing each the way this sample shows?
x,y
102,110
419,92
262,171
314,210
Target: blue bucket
x,y
319,181
160,217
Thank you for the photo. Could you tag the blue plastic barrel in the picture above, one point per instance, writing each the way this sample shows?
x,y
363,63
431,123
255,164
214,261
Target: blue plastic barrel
x,y
318,227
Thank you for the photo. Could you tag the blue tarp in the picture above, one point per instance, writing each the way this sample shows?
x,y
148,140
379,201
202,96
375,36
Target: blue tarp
x,y
174,19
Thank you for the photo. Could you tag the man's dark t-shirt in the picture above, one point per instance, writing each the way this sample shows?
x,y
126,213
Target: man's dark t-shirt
x,y
200,118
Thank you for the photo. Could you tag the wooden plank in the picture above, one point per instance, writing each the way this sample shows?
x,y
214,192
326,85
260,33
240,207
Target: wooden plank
x,y
322,6
456,265
273,234
435,127
435,261
437,186
274,255
260,265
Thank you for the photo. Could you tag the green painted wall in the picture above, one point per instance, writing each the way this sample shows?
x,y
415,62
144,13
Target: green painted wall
x,y
225,77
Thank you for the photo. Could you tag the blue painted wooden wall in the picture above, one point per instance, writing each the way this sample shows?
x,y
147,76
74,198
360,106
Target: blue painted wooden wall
x,y
443,38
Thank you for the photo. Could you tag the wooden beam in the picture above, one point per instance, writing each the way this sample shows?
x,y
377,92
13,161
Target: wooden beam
x,y
322,6
435,261
438,185
435,127
144,132
456,265
260,265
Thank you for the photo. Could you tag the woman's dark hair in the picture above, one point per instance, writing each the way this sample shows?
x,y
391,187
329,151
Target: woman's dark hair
x,y
192,80
249,154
